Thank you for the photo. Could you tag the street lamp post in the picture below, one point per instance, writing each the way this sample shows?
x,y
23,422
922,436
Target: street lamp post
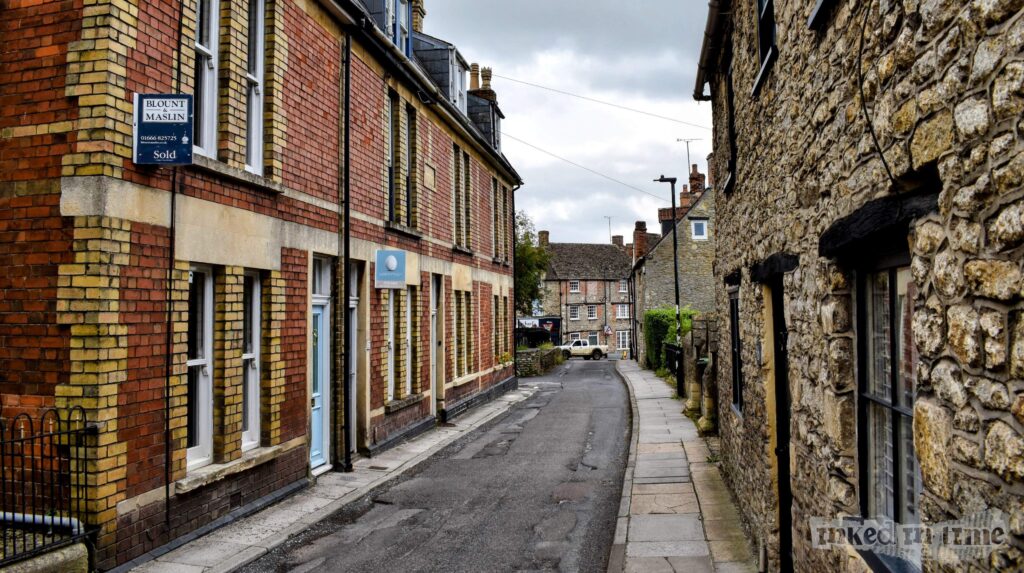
x,y
675,254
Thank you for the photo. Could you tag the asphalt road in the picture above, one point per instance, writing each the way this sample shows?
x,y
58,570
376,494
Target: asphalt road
x,y
535,490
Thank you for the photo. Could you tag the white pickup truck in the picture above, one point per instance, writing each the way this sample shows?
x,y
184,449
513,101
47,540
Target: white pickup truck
x,y
585,349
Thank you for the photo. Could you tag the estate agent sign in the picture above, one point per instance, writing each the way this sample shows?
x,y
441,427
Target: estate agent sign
x,y
162,129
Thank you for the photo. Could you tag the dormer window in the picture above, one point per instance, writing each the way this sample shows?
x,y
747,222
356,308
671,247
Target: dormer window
x,y
404,10
397,18
458,83
497,130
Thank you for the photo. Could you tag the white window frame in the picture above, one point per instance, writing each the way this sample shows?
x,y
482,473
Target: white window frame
x,y
703,235
403,23
254,79
620,337
592,312
574,286
201,454
623,285
408,341
594,338
252,374
574,336
392,302
574,313
205,142
622,311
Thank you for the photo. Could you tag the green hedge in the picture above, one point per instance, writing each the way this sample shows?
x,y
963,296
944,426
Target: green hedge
x,y
659,328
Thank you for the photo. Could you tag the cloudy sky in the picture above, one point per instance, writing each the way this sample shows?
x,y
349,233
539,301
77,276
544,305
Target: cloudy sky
x,y
640,54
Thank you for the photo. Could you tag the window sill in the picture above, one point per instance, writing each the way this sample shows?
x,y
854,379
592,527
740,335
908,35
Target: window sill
x,y
400,229
766,67
204,163
396,405
462,250
212,473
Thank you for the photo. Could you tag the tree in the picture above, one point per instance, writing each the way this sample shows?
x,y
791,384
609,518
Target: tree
x,y
530,265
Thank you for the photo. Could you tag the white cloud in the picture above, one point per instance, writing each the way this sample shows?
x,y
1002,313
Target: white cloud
x,y
640,55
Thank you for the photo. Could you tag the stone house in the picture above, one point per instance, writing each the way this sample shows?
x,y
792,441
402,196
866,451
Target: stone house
x,y
588,286
653,274
219,322
871,359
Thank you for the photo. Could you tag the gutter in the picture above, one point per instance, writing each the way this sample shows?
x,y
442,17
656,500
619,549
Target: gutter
x,y
708,49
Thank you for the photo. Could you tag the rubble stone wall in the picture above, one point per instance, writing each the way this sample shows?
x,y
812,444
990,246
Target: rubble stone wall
x,y
943,84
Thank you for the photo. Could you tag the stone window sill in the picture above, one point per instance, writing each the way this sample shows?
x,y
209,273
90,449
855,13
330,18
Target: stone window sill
x,y
401,229
463,250
212,473
204,163
396,405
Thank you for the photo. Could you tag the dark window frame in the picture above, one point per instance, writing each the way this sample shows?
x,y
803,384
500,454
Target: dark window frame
x,y
889,261
766,48
736,349
393,156
819,15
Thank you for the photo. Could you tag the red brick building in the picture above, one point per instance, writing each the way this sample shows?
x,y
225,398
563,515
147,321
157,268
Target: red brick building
x,y
198,314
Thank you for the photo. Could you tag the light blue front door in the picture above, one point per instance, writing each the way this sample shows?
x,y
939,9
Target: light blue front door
x,y
318,392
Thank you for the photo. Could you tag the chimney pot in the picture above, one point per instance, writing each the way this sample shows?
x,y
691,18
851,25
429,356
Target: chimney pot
x,y
474,76
485,73
542,238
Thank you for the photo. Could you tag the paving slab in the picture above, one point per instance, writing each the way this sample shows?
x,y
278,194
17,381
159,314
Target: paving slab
x,y
664,503
665,528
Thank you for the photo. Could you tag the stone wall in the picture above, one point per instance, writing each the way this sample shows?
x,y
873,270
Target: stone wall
x,y
944,88
535,361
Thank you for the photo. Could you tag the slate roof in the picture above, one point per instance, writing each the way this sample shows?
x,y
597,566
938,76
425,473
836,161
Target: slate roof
x,y
587,261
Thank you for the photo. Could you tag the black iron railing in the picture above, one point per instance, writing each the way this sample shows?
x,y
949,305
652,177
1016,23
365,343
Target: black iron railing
x,y
43,494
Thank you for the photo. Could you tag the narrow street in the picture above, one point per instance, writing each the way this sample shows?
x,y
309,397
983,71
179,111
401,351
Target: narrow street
x,y
537,489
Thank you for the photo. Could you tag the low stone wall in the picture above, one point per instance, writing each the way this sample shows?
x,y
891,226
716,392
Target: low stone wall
x,y
535,362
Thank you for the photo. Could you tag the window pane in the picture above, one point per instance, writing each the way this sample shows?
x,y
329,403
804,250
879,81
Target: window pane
x,y
248,285
196,310
907,350
910,474
198,108
318,271
204,22
878,344
592,338
192,423
880,462
247,375
254,30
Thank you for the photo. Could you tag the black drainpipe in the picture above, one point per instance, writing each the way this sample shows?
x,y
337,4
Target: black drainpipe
x,y
346,260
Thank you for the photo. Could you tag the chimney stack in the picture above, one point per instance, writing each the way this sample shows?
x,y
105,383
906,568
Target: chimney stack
x,y
418,14
474,76
711,181
483,91
697,180
542,238
639,240
617,240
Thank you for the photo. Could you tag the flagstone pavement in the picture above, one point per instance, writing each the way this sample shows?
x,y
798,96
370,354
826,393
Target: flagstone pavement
x,y
676,512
